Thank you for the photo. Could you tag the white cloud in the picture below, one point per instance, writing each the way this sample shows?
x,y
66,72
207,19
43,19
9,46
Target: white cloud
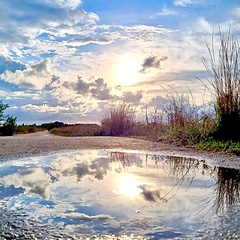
x,y
188,3
44,108
133,97
23,25
35,76
236,12
183,3
82,41
85,217
33,181
73,4
204,26
78,44
166,12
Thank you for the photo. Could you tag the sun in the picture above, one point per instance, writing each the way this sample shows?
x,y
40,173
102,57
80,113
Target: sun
x,y
129,186
128,72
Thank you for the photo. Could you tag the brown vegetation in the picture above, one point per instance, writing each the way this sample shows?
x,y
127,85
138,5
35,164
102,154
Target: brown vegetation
x,y
119,121
77,130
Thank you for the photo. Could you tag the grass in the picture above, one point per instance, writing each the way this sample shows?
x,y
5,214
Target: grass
x,y
223,68
211,144
220,132
119,121
180,121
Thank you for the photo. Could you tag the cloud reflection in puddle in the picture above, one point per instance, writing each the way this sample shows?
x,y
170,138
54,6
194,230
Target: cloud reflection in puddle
x,y
114,192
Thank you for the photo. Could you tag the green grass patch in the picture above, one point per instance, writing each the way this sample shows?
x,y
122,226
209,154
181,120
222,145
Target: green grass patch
x,y
211,144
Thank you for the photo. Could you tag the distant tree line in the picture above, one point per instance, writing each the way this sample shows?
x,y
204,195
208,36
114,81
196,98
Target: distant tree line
x,y
52,125
26,128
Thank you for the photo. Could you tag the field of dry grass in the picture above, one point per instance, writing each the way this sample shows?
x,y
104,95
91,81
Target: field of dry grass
x,y
77,130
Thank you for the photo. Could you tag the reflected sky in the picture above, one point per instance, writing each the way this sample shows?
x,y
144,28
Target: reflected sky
x,y
102,192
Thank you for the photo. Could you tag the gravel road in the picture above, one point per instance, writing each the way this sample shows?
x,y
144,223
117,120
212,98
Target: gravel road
x,y
25,145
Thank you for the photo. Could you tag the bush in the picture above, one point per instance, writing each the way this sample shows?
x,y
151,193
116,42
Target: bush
x,y
9,126
24,129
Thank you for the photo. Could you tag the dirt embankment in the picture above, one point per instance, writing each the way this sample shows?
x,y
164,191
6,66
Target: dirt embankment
x,y
25,145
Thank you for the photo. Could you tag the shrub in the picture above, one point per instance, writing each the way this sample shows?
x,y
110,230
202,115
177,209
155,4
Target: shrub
x,y
9,126
23,129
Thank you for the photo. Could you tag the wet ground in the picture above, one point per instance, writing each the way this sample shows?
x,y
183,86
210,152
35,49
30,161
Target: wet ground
x,y
118,194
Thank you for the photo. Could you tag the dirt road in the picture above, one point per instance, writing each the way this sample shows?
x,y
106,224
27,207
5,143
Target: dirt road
x,y
25,145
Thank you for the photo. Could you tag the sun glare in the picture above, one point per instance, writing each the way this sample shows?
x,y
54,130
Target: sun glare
x,y
128,72
129,186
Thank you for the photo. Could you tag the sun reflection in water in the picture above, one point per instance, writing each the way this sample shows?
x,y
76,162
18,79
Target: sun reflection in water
x,y
129,186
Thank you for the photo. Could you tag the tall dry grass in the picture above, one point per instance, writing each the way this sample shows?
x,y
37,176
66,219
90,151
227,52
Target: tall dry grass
x,y
154,124
185,122
119,121
223,68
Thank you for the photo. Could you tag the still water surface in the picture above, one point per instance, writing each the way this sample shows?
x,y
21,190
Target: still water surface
x,y
117,193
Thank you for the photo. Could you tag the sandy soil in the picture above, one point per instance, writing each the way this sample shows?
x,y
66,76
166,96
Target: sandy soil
x,y
25,145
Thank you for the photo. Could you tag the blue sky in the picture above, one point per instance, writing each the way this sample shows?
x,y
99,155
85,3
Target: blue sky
x,y
62,59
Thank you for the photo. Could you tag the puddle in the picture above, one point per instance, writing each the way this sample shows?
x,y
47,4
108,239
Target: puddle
x,y
130,195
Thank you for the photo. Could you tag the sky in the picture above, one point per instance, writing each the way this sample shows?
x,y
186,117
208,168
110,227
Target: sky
x,y
70,60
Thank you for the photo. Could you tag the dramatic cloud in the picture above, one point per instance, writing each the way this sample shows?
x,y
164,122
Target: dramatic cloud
x,y
152,62
97,88
82,87
97,169
46,44
100,90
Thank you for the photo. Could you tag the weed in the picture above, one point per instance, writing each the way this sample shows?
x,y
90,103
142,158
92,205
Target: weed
x,y
120,120
224,78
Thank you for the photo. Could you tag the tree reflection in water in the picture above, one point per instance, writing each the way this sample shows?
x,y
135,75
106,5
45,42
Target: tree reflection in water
x,y
227,188
227,180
